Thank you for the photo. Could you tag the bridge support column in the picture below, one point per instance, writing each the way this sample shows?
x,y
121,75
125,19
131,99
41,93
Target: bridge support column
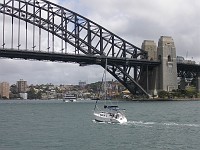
x,y
167,71
182,83
198,83
149,75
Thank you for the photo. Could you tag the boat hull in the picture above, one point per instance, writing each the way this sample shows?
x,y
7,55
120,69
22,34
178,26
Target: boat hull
x,y
108,117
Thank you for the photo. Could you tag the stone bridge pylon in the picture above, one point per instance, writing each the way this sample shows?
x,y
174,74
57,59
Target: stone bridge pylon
x,y
164,76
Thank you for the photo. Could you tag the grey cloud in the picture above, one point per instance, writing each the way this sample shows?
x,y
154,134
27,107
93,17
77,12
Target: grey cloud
x,y
139,20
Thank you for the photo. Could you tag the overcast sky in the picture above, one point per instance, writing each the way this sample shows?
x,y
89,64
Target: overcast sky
x,y
133,20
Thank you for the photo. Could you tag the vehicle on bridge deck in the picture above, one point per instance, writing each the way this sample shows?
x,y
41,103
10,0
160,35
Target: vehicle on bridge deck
x,y
69,98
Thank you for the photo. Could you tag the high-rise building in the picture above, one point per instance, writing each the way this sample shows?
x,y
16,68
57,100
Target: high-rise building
x,y
82,84
21,86
4,90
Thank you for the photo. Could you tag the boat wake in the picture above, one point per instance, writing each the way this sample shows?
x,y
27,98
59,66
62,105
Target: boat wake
x,y
152,124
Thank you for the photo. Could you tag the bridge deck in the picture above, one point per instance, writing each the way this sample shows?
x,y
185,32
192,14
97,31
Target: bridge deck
x,y
78,58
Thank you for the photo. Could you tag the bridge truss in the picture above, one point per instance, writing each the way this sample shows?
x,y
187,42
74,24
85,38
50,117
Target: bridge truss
x,y
187,70
39,29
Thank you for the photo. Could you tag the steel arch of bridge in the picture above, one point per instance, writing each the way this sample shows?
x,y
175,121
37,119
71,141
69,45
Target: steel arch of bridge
x,y
88,39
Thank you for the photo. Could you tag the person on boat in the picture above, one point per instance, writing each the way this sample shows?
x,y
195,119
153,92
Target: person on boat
x,y
117,116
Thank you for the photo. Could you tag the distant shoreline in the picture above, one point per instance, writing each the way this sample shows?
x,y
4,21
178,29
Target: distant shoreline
x,y
128,100
160,99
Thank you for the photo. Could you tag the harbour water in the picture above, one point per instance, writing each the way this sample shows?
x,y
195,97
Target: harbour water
x,y
54,125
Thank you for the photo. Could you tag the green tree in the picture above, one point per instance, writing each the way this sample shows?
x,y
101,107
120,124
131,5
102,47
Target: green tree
x,y
163,94
32,94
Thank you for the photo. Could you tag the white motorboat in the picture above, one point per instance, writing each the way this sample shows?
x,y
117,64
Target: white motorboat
x,y
69,98
109,113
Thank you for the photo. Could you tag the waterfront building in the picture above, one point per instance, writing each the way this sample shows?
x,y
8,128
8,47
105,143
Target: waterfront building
x,y
51,94
21,86
4,90
82,84
23,95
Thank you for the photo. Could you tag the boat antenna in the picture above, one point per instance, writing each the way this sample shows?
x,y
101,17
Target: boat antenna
x,y
101,86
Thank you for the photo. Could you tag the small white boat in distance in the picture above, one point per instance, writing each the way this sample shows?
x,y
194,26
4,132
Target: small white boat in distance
x,y
110,114
69,98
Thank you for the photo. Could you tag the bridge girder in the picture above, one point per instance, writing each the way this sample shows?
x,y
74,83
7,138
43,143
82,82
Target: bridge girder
x,y
187,70
87,38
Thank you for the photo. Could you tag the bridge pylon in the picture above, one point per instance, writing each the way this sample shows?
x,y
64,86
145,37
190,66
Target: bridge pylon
x,y
198,82
149,74
164,76
167,70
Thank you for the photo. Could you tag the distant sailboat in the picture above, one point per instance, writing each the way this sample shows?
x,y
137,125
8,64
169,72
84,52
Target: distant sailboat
x,y
109,113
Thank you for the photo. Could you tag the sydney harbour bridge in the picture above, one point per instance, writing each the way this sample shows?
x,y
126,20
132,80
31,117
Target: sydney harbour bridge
x,y
42,30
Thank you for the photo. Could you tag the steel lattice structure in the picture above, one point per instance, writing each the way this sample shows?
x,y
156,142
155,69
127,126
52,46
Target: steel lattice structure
x,y
187,70
87,38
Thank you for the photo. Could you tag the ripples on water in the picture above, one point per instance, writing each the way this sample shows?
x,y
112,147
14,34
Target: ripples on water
x,y
53,125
